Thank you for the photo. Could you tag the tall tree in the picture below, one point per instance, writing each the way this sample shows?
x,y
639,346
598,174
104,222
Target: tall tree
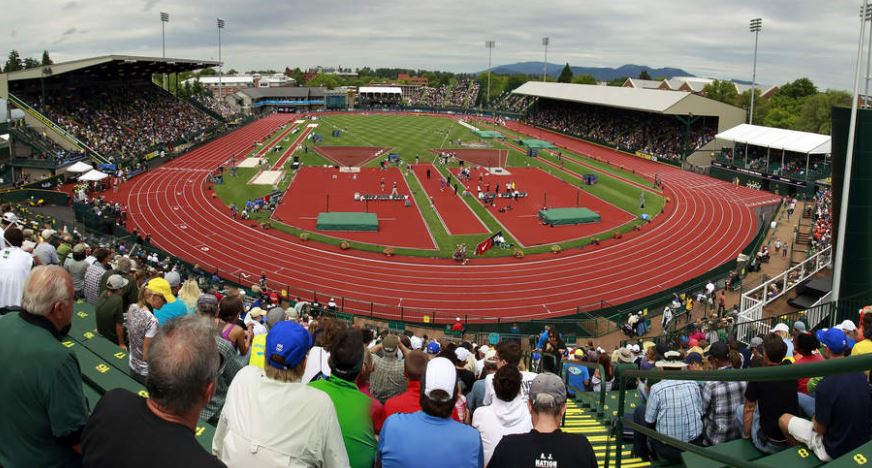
x,y
30,62
565,75
799,88
643,75
46,60
723,91
815,112
13,63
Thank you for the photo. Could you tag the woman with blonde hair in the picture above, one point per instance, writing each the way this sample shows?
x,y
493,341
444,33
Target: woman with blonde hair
x,y
189,293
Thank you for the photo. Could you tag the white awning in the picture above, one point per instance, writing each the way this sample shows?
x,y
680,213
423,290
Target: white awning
x,y
778,138
93,176
80,167
379,89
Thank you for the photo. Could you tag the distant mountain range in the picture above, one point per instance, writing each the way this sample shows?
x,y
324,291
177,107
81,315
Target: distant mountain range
x,y
600,73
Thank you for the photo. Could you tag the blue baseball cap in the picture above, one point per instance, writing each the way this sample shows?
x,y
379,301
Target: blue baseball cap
x,y
433,348
835,340
287,344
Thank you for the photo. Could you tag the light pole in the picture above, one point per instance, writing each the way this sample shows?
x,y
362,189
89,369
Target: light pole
x,y
220,64
756,26
490,47
866,15
545,42
164,19
849,162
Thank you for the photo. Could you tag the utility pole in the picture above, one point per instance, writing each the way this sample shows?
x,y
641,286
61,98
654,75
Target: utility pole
x,y
545,42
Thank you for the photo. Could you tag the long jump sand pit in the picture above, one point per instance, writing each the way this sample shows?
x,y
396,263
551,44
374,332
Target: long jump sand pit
x,y
477,157
267,178
250,162
354,156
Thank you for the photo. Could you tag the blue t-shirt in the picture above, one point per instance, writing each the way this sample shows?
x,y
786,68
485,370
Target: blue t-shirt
x,y
575,374
543,338
170,310
842,405
424,441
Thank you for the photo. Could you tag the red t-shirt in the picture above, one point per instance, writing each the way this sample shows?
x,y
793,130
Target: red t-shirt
x,y
457,326
410,401
377,410
802,384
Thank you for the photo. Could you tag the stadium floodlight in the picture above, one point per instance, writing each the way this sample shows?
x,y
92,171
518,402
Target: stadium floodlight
x,y
756,26
545,42
220,64
164,19
849,163
866,15
490,47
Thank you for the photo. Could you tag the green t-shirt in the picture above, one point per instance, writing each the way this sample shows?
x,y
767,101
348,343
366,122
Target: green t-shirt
x,y
109,311
355,419
63,250
40,395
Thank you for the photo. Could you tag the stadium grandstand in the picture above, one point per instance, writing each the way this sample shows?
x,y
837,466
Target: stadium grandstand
x,y
285,99
369,97
649,123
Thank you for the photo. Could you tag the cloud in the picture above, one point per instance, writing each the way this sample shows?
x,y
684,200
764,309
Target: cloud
x,y
799,38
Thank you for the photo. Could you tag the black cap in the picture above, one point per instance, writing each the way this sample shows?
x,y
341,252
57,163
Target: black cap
x,y
719,349
660,351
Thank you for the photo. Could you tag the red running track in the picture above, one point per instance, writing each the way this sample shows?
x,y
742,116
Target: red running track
x,y
708,224
458,218
399,226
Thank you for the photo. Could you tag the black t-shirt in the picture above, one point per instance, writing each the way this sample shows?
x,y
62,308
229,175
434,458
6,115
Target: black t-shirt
x,y
842,405
466,378
122,431
773,399
536,449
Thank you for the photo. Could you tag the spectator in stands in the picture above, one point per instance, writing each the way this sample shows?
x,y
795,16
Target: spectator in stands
x,y
352,406
508,414
162,302
458,356
841,411
784,332
44,409
318,361
189,293
429,438
765,402
546,444
77,266
377,409
552,353
8,220
110,311
15,265
229,311
806,346
175,281
94,273
207,306
64,248
864,346
409,401
720,401
128,430
141,327
387,379
292,422
258,343
674,408
575,375
475,398
46,252
605,360
508,354
130,293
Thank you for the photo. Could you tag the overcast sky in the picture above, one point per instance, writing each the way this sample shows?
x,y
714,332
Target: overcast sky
x,y
813,38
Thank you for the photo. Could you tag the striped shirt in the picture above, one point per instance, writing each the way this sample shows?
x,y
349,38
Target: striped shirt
x,y
676,407
719,403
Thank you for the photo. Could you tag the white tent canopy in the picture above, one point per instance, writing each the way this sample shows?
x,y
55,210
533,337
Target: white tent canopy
x,y
778,138
80,167
379,89
93,176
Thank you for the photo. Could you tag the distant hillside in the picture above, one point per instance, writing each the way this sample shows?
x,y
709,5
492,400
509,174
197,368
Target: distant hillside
x,y
600,73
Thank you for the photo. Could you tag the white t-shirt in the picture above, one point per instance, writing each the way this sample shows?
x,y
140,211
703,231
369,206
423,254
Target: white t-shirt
x,y
15,265
526,380
317,362
501,419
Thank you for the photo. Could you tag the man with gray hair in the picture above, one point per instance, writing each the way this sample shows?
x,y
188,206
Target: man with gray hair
x,y
44,409
128,430
546,444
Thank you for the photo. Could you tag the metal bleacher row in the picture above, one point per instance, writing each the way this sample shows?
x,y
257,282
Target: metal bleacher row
x,y
105,366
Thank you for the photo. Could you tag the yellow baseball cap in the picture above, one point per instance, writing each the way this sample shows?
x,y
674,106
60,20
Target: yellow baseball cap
x,y
162,287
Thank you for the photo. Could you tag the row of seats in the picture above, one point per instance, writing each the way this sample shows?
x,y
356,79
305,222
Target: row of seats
x,y
105,366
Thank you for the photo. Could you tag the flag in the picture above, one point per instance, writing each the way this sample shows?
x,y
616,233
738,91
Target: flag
x,y
486,244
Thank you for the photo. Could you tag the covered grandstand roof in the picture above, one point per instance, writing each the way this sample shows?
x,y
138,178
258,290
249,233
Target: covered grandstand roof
x,y
778,138
283,92
123,66
380,89
645,100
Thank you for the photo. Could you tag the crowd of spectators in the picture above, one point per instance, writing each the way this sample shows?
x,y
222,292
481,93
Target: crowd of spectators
x,y
767,161
218,106
510,102
662,136
127,120
46,149
822,215
463,93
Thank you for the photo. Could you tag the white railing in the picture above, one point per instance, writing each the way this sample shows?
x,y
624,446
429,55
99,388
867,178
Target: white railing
x,y
817,314
756,299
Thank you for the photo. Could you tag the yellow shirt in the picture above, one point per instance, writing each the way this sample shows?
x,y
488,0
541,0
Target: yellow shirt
x,y
862,347
258,351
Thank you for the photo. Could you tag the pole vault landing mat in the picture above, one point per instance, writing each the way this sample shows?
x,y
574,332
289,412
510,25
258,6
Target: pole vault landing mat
x,y
568,216
351,156
478,157
536,144
347,221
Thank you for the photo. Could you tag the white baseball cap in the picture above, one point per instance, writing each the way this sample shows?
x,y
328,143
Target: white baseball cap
x,y
462,354
781,327
10,217
846,325
417,342
440,375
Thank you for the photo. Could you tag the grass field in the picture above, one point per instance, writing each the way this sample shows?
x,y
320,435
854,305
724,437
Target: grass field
x,y
413,136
